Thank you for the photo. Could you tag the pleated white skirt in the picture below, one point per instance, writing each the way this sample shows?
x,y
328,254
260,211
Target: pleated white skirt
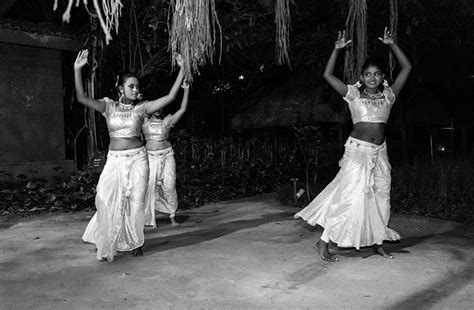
x,y
354,209
119,221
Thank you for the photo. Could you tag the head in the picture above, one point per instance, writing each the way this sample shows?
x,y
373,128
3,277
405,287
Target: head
x,y
372,76
128,86
158,114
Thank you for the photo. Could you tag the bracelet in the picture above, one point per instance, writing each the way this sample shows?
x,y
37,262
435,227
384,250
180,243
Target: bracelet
x,y
184,86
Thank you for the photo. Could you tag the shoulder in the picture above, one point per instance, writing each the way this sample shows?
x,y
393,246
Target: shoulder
x,y
168,120
140,109
109,104
388,93
352,93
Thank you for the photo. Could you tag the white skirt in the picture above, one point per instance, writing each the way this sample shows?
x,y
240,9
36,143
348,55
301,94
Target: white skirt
x,y
119,221
161,194
354,209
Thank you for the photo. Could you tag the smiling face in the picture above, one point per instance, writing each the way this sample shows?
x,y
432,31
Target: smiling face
x,y
130,88
372,77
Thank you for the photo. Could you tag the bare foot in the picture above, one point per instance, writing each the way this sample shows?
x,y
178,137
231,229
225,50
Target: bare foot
x,y
137,252
174,223
379,250
323,251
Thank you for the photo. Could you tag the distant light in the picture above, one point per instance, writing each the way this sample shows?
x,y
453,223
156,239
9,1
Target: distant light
x,y
241,77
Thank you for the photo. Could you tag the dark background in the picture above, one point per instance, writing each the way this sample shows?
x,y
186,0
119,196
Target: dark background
x,y
435,34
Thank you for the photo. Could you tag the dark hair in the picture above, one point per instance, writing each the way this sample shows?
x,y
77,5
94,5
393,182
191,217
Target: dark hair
x,y
373,62
122,78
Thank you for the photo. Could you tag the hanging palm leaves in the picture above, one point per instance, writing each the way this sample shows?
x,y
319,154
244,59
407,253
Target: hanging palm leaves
x,y
356,29
193,32
283,27
111,10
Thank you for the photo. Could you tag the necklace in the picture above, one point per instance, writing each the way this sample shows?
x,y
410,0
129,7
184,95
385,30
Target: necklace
x,y
125,107
373,96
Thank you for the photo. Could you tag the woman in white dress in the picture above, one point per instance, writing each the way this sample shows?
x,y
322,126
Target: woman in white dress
x,y
161,194
354,209
119,221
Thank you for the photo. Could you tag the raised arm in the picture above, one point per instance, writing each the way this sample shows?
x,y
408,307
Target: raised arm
x,y
80,62
402,60
328,75
154,105
184,104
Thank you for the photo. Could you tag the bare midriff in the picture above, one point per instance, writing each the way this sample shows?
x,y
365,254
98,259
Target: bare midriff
x,y
121,144
153,145
370,132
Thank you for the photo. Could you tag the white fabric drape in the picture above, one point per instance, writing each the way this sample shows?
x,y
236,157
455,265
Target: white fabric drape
x,y
161,194
354,209
119,221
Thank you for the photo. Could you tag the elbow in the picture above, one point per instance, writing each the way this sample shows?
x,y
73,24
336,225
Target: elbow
x,y
326,76
81,99
171,97
407,67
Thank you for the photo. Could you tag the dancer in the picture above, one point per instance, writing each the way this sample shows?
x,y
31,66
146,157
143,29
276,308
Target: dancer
x,y
354,209
119,221
161,194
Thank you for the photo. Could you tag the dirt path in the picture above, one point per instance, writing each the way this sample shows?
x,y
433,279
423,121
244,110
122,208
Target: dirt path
x,y
249,254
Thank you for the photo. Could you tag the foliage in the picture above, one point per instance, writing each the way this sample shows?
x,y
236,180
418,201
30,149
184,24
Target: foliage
x,y
30,197
208,170
443,189
211,170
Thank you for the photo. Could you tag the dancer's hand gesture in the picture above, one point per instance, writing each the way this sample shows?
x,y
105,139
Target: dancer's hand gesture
x,y
179,60
81,59
341,42
387,37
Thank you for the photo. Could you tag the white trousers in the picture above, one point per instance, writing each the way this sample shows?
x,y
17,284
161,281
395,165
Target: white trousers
x,y
161,193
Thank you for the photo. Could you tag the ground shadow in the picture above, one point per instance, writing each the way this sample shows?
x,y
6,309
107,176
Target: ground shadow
x,y
159,244
427,298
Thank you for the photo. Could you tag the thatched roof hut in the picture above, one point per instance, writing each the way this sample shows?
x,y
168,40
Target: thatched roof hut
x,y
297,100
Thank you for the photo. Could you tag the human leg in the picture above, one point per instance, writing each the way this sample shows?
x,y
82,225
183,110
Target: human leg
x,y
322,247
170,196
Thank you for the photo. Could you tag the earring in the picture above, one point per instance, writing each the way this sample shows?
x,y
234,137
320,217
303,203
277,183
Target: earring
x,y
358,84
385,83
121,96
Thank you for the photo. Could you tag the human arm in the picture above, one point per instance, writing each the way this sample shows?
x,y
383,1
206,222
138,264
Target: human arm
x,y
328,74
80,62
154,105
402,60
184,104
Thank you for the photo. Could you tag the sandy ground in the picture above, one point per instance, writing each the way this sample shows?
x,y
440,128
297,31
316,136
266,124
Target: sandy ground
x,y
248,254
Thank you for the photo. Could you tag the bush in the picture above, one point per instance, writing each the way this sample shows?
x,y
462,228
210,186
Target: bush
x,y
442,189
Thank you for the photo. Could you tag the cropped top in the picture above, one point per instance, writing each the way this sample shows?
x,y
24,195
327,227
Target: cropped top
x,y
123,124
157,129
367,109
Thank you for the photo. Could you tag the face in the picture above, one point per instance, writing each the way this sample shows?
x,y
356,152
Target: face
x,y
130,88
372,77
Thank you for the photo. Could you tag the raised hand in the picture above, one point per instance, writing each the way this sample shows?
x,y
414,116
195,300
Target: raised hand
x,y
387,37
341,42
185,84
81,59
179,60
